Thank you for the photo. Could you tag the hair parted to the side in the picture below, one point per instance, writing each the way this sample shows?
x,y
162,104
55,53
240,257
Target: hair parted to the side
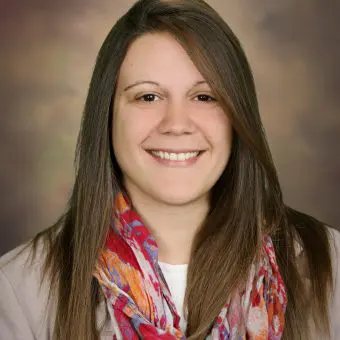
x,y
246,202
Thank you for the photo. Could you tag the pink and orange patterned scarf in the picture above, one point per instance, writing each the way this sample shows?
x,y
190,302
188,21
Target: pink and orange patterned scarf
x,y
140,303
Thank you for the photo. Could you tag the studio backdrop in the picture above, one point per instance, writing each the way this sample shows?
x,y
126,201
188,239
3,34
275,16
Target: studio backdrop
x,y
48,49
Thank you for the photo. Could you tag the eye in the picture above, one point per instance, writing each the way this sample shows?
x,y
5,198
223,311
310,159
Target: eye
x,y
205,98
148,97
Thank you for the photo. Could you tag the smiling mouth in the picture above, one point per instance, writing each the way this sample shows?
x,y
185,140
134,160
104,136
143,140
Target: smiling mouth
x,y
179,156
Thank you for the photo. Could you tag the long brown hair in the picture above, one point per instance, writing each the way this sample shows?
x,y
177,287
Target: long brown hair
x,y
246,202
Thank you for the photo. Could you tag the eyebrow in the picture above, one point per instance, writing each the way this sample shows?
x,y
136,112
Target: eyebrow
x,y
157,84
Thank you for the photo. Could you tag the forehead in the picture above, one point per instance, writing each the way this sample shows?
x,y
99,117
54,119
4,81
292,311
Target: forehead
x,y
157,55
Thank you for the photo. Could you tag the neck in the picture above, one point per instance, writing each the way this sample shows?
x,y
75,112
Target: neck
x,y
173,226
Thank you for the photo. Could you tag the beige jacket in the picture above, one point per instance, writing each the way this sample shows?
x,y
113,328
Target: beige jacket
x,y
22,303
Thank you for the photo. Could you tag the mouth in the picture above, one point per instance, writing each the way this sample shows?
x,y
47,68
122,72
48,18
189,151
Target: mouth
x,y
176,155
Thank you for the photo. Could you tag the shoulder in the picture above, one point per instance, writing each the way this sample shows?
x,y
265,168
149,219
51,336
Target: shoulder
x,y
25,312
335,242
23,297
334,235
19,266
335,257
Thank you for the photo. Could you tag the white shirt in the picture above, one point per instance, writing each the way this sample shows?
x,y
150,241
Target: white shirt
x,y
176,278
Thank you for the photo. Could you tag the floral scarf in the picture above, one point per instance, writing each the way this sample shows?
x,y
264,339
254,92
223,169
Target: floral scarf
x,y
140,303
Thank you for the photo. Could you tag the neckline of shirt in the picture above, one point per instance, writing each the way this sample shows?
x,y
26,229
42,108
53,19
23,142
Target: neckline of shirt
x,y
173,267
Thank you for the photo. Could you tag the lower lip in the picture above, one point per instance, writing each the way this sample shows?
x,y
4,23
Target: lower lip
x,y
173,163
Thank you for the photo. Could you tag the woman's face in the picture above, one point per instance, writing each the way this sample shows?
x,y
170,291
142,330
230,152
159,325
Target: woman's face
x,y
171,140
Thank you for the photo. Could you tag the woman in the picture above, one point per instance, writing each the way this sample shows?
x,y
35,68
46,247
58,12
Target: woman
x,y
176,227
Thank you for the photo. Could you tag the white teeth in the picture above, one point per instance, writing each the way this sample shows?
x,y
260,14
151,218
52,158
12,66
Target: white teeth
x,y
175,156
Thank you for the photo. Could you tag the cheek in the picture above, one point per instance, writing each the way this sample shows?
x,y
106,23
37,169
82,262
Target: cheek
x,y
217,129
124,141
130,129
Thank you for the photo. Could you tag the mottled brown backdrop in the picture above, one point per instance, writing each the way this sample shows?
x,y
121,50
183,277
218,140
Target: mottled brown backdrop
x,y
48,49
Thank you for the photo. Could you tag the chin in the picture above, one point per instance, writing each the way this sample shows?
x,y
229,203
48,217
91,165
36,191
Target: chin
x,y
178,199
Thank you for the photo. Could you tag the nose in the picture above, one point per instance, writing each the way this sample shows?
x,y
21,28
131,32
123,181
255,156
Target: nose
x,y
176,120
